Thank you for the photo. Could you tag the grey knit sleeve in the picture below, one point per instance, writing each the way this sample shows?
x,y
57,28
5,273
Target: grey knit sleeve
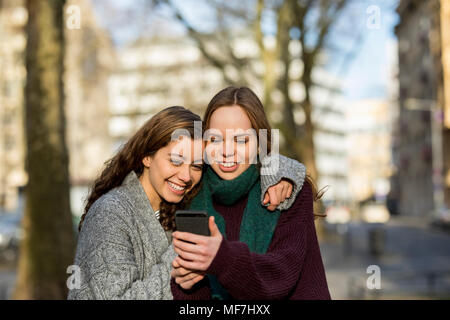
x,y
108,262
276,167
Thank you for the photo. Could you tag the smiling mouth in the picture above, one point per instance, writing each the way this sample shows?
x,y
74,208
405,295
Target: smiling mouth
x,y
176,188
228,166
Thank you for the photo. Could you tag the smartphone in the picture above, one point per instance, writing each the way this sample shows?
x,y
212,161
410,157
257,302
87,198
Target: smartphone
x,y
192,221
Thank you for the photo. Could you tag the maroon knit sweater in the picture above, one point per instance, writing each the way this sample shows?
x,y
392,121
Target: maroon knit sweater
x,y
291,268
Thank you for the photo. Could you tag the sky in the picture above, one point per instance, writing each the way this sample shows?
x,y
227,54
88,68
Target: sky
x,y
374,67
369,74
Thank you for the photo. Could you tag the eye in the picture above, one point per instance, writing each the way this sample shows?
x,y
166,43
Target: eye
x,y
241,140
176,162
215,139
197,167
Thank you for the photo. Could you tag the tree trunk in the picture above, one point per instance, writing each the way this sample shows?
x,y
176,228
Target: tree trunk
x,y
269,58
48,245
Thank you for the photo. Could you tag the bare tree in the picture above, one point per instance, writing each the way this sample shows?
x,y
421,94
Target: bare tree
x,y
312,19
299,10
48,245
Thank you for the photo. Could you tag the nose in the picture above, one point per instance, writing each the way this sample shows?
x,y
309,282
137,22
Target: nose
x,y
228,149
184,174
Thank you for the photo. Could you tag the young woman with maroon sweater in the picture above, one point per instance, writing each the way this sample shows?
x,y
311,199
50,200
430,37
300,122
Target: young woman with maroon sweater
x,y
262,255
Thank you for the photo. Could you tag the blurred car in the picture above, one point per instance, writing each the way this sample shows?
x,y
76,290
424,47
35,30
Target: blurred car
x,y
10,235
338,214
337,218
375,213
442,219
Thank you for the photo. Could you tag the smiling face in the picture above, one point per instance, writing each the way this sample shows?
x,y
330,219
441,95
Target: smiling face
x,y
172,171
231,142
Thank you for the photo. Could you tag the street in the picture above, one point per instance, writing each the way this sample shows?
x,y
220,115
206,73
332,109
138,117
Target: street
x,y
414,262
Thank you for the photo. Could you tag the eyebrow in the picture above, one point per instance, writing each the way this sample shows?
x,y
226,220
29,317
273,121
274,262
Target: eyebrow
x,y
197,161
214,134
237,135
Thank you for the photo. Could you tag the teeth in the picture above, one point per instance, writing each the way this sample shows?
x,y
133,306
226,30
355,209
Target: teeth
x,y
175,186
228,164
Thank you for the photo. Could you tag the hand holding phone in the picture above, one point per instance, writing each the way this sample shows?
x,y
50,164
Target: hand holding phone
x,y
195,250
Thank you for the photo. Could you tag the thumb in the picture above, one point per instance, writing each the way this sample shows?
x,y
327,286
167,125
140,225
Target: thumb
x,y
266,198
213,229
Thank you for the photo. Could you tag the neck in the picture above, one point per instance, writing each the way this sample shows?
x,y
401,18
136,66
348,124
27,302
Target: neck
x,y
152,195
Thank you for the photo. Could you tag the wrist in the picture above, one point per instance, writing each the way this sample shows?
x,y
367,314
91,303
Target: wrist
x,y
220,259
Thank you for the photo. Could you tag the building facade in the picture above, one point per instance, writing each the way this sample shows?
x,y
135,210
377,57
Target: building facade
x,y
421,140
89,61
370,128
153,74
89,57
13,18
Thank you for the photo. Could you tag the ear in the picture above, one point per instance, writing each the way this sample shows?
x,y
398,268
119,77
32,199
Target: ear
x,y
146,161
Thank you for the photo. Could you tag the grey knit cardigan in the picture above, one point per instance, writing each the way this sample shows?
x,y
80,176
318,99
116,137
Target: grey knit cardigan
x,y
124,253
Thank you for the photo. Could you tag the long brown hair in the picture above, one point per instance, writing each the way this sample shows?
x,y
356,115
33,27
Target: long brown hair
x,y
250,103
155,134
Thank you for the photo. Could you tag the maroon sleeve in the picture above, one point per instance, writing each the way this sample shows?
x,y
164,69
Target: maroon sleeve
x,y
200,291
312,284
277,274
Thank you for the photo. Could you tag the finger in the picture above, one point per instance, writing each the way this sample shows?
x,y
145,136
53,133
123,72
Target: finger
x,y
279,192
191,283
273,199
266,198
198,278
189,264
187,247
173,273
188,256
290,188
175,263
273,196
284,194
213,229
289,185
190,237
180,272
186,278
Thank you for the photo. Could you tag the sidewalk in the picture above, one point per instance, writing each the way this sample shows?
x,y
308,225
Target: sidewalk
x,y
7,281
414,264
414,261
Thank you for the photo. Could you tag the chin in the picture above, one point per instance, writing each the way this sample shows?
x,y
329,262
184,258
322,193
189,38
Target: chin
x,y
173,199
229,175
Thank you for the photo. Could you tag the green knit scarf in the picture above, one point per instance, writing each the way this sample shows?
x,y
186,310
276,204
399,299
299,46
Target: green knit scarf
x,y
258,223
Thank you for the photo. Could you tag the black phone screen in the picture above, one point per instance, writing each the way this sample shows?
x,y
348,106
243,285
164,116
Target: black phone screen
x,y
192,221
